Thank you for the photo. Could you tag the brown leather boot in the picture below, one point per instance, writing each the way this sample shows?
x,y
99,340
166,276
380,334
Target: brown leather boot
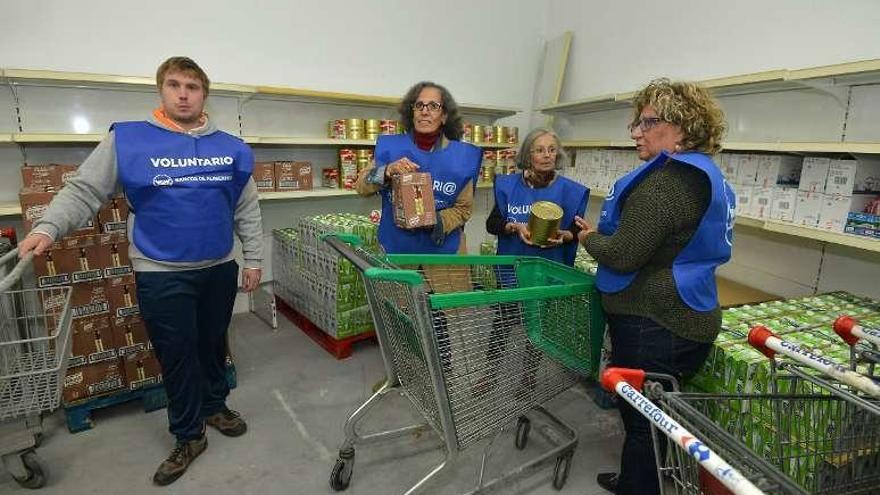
x,y
228,422
180,458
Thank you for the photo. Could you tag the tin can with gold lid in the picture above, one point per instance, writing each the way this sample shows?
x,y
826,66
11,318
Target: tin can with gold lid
x,y
477,133
373,128
500,134
544,220
512,135
354,128
337,129
467,134
488,134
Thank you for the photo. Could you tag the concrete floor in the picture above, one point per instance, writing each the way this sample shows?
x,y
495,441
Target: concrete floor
x,y
296,398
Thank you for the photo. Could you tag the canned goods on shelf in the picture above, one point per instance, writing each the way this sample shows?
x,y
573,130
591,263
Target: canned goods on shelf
x,y
336,129
477,134
354,128
512,135
488,134
500,134
467,134
330,177
388,126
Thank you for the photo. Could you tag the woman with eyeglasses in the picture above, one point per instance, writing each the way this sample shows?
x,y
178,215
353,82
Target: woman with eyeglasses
x,y
663,230
431,144
540,156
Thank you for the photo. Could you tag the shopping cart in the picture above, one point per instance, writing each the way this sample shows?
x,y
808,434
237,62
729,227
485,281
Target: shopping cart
x,y
700,445
864,343
474,343
34,347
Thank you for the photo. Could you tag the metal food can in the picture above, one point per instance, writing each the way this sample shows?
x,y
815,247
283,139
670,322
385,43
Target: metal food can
x,y
488,134
544,220
487,167
354,128
509,160
500,134
347,168
373,129
467,134
512,135
477,133
330,178
364,159
388,126
336,129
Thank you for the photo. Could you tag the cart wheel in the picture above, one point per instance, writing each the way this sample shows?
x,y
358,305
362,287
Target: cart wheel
x,y
560,472
523,426
36,477
340,477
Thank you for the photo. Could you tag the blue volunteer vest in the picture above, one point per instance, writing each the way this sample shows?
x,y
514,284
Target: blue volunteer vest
x,y
694,268
514,200
451,168
183,189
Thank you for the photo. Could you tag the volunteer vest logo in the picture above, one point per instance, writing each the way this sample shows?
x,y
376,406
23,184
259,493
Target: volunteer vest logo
x,y
514,213
731,213
447,188
211,161
163,181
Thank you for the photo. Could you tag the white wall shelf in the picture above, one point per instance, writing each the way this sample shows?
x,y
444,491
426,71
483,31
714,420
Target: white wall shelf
x,y
777,147
80,79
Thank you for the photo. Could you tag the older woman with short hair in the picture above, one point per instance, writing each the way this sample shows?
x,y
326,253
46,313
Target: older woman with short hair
x,y
664,229
540,157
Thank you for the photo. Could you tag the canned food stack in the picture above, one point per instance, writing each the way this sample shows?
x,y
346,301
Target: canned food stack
x,y
315,281
497,134
348,168
373,129
353,128
487,167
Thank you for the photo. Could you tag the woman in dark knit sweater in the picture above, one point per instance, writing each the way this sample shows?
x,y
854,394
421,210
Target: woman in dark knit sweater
x,y
663,230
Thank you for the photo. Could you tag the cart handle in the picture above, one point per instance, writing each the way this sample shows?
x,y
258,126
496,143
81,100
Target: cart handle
x,y
714,464
850,331
15,274
764,340
342,243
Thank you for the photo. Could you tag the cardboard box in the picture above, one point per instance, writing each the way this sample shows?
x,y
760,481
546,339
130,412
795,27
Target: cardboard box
x,y
93,340
89,299
746,169
784,204
141,369
814,174
867,176
113,216
778,169
728,165
293,176
54,267
413,199
744,199
264,176
34,205
841,177
90,380
761,203
113,255
806,212
834,212
122,297
130,335
51,177
88,259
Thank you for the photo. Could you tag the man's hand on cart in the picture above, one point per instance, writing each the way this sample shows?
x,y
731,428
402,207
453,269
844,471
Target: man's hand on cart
x,y
38,242
250,279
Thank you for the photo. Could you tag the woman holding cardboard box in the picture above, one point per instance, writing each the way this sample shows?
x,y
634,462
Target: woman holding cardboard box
x,y
664,229
430,145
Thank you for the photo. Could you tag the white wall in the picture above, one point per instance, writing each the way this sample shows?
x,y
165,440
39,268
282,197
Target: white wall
x,y
618,46
483,51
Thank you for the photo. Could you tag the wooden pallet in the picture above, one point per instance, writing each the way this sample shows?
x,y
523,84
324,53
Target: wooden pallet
x,y
79,414
340,349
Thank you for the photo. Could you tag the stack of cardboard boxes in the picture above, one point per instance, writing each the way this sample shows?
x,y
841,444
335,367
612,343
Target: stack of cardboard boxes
x,y
283,176
600,169
110,349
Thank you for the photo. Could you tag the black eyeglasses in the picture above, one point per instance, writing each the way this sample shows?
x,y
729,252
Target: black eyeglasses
x,y
645,124
432,106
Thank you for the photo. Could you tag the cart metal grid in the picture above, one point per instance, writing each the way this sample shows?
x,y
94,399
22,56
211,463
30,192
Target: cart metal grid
x,y
476,342
34,348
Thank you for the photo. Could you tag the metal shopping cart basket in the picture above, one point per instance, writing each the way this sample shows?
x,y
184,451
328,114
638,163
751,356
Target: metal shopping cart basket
x,y
864,343
34,347
474,343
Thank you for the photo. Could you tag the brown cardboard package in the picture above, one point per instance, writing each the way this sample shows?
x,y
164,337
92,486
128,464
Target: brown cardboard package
x,y
93,340
89,380
264,176
130,335
34,205
141,369
51,177
113,216
86,253
54,266
293,176
113,255
89,299
413,200
122,296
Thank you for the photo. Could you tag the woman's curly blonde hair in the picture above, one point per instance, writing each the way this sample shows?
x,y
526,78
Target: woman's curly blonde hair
x,y
688,106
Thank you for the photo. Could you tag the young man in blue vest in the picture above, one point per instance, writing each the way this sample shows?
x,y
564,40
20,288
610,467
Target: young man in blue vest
x,y
190,191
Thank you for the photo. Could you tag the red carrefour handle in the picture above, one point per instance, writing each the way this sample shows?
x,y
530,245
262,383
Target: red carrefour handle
x,y
612,376
758,339
843,326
